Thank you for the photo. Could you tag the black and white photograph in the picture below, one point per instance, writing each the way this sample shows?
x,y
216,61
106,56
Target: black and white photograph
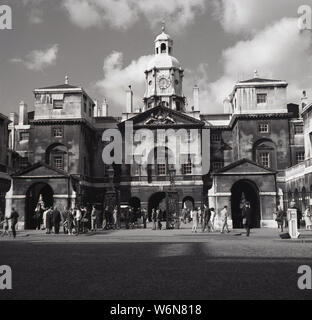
x,y
155,154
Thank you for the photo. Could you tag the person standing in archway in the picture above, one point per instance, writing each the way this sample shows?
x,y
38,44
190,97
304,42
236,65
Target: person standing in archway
x,y
154,219
195,217
56,216
159,219
247,217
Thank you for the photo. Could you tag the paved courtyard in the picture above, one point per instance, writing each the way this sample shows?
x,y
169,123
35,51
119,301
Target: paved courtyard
x,y
145,264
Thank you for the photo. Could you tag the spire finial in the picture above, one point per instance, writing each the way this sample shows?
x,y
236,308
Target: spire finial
x,y
163,28
66,79
256,74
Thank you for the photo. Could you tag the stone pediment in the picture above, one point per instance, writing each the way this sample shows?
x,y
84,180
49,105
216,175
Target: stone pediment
x,y
162,116
40,170
245,166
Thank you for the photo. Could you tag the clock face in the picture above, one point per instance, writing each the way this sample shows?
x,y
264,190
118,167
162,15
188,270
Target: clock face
x,y
164,82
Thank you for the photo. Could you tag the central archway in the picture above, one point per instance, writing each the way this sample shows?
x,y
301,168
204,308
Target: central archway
x,y
157,201
245,190
32,198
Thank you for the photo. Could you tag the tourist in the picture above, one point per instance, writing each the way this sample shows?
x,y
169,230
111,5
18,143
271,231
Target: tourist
x,y
224,219
115,218
184,215
280,218
247,217
56,217
49,220
159,219
78,218
308,218
206,219
38,216
70,221
94,221
144,217
194,216
154,219
213,219
6,231
14,220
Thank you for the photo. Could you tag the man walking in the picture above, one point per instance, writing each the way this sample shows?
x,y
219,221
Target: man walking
x,y
247,217
56,216
14,220
224,219
206,219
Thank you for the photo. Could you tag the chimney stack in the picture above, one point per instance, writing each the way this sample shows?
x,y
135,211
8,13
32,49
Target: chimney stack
x,y
196,98
23,115
129,101
304,102
104,109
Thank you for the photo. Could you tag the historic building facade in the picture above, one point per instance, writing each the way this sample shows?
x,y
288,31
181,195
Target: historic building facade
x,y
57,150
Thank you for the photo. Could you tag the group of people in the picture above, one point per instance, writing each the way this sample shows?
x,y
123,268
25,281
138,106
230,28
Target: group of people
x,y
207,219
9,223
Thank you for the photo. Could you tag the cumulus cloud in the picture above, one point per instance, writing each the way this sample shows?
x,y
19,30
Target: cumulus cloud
x,y
122,14
118,77
38,60
279,51
250,16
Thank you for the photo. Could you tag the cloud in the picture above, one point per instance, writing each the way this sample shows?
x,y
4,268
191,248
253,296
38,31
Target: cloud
x,y
38,60
122,14
250,16
35,13
279,51
117,78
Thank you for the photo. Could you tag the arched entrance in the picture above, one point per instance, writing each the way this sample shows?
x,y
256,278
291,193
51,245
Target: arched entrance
x,y
135,204
189,203
245,190
157,201
32,198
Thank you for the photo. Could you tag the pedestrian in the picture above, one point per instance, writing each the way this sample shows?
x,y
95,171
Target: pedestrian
x,y
64,219
6,231
184,215
212,219
38,216
206,219
94,222
247,217
115,218
14,220
154,219
49,220
224,219
70,221
280,218
308,218
159,218
194,216
78,218
56,216
144,217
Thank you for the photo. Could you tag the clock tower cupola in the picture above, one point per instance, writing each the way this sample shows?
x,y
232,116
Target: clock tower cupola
x,y
164,77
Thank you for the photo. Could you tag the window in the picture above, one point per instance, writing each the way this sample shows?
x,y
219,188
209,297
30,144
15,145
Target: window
x,y
217,165
161,169
215,137
58,104
298,129
265,159
24,136
300,157
58,162
261,98
58,132
263,128
187,168
163,48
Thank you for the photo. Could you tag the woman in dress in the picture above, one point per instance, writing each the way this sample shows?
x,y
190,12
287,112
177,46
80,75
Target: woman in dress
x,y
194,216
308,218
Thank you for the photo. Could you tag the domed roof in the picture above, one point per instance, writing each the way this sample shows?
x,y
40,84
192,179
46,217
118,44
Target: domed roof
x,y
163,37
163,61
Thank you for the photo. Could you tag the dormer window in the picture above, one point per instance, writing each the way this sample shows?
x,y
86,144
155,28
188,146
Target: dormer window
x,y
262,98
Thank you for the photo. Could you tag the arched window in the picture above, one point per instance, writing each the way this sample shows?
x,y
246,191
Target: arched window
x,y
163,48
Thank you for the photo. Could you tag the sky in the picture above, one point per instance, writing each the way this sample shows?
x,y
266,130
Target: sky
x,y
104,46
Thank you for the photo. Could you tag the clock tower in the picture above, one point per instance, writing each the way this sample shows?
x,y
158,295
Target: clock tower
x,y
164,77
